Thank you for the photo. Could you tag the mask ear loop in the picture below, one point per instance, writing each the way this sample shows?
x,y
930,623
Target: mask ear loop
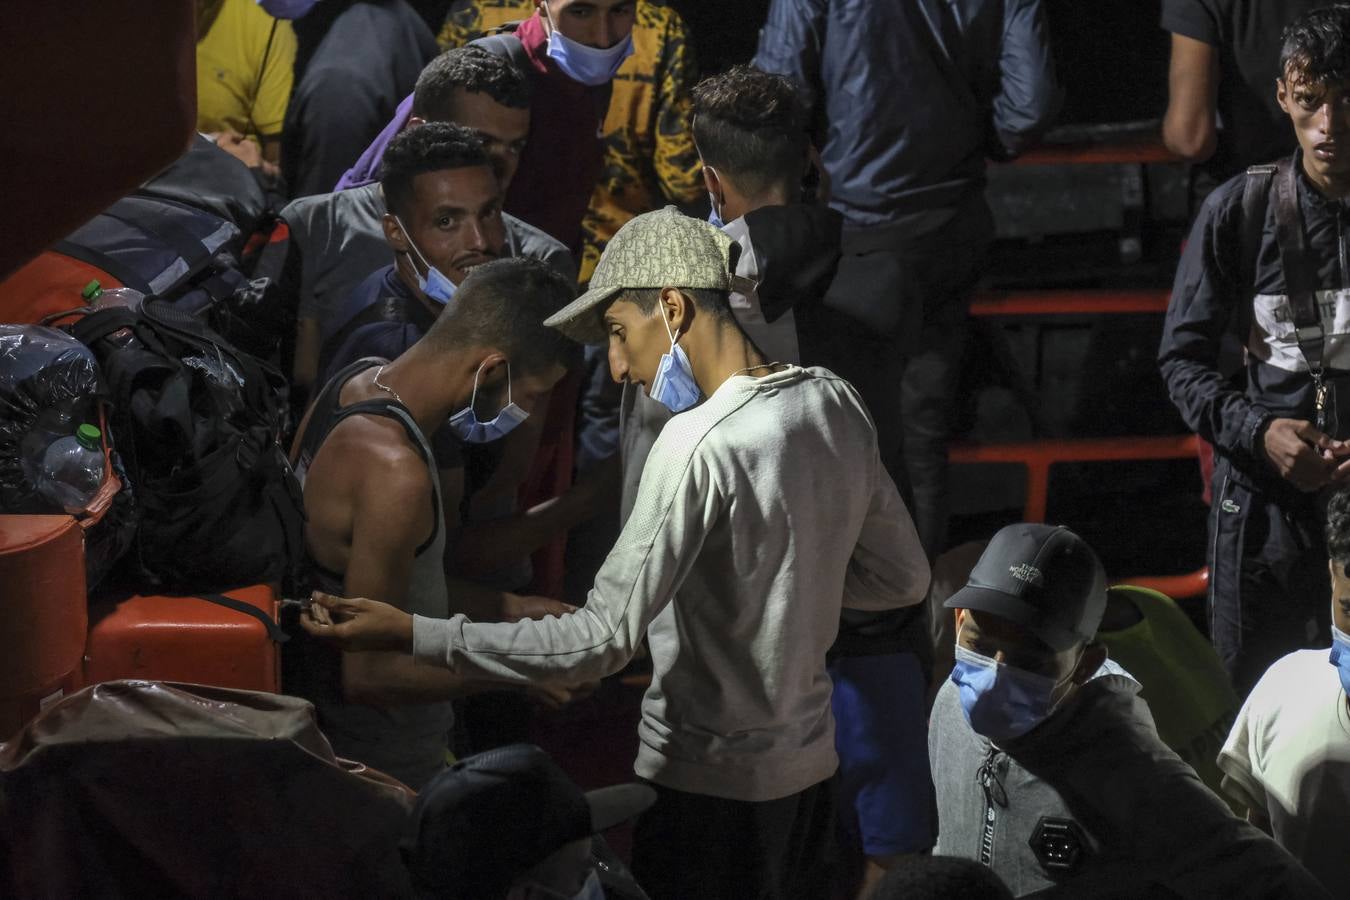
x,y
473,400
413,245
662,312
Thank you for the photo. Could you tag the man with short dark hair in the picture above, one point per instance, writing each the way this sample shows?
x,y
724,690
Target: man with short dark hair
x,y
1047,764
444,217
1287,759
570,50
444,220
327,244
735,562
649,151
1266,261
376,523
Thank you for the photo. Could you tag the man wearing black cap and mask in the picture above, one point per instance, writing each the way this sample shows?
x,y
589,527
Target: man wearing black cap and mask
x,y
1047,764
509,824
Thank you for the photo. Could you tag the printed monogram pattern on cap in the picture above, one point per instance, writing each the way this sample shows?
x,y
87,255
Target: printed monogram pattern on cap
x,y
659,249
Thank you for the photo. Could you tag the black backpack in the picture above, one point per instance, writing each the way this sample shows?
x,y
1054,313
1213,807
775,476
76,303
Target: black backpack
x,y
198,423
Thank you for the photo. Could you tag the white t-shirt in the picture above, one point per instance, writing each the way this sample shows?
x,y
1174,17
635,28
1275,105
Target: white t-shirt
x,y
761,512
1288,756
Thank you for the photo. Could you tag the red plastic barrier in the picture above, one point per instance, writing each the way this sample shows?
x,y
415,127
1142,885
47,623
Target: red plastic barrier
x,y
1139,151
1039,456
184,639
1070,303
42,597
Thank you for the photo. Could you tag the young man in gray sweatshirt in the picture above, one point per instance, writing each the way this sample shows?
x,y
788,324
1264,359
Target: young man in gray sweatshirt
x,y
1047,765
763,510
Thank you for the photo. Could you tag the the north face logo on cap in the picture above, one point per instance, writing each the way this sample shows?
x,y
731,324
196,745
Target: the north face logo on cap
x,y
1028,573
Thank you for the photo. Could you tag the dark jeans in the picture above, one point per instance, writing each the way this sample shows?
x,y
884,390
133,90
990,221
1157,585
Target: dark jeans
x,y
1269,591
908,375
709,848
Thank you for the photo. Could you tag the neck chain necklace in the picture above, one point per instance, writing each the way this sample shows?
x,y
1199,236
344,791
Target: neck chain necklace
x,y
386,388
748,369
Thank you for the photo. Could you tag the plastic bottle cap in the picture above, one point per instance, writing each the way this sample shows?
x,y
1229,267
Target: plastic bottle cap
x,y
92,290
89,436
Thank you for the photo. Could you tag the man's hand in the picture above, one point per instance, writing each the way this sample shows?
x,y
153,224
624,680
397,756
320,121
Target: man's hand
x,y
355,623
1304,456
516,607
246,151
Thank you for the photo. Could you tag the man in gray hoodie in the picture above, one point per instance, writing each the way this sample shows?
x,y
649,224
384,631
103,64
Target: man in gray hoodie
x,y
1047,765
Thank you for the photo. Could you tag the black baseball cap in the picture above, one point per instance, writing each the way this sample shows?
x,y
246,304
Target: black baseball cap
x,y
490,818
1043,577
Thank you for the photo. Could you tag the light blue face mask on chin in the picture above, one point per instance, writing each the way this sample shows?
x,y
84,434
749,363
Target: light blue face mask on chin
x,y
468,428
434,284
591,66
674,385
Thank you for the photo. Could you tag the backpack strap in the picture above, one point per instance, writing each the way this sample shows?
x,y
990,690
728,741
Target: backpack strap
x,y
1300,282
274,631
1255,200
392,409
327,414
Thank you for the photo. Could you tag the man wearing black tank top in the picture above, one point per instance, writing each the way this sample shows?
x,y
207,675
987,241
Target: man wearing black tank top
x,y
375,520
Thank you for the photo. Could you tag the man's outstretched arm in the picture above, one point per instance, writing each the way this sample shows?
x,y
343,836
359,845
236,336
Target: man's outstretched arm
x,y
653,555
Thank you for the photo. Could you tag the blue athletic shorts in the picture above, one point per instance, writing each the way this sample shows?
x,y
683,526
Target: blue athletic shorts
x,y
881,735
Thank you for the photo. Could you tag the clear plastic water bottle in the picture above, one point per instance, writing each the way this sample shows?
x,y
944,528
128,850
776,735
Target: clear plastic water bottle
x,y
96,296
102,298
72,469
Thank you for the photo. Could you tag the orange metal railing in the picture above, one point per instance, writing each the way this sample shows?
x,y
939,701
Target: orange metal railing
x,y
1037,457
1142,150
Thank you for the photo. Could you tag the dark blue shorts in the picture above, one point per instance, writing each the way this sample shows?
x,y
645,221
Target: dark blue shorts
x,y
881,735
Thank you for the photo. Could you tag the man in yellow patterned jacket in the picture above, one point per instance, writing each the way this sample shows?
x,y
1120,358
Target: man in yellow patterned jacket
x,y
650,158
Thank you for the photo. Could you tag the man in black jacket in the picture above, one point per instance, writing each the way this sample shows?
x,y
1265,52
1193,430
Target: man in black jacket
x,y
1269,253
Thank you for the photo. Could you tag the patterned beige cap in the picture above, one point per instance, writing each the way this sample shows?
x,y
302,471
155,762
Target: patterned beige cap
x,y
658,249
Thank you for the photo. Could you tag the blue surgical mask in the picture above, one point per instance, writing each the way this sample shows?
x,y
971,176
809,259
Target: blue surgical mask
x,y
465,423
1340,656
589,65
287,9
674,384
714,217
434,284
1000,701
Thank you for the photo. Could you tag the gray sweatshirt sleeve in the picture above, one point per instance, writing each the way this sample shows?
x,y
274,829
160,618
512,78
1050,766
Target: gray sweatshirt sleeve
x,y
677,503
889,568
